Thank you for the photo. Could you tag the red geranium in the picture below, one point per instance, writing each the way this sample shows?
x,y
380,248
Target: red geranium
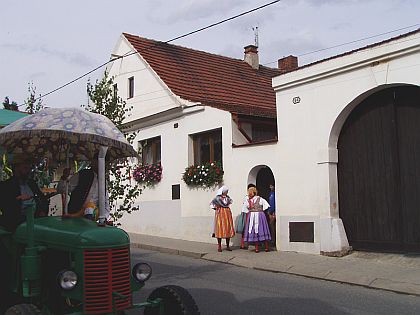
x,y
149,174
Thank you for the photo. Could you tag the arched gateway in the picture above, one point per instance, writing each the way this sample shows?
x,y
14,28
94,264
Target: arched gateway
x,y
379,171
262,176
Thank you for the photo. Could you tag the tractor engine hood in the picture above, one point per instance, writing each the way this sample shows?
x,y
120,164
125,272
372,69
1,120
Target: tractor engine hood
x,y
72,233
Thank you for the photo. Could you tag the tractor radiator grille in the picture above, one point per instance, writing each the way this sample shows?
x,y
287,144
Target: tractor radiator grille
x,y
106,280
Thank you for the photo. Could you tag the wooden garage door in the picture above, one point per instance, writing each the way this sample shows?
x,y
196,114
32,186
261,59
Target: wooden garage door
x,y
379,171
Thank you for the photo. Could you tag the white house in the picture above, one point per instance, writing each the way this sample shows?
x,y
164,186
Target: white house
x,y
339,138
192,107
348,155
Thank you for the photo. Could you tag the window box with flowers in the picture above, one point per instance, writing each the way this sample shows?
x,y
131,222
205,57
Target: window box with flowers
x,y
205,175
149,174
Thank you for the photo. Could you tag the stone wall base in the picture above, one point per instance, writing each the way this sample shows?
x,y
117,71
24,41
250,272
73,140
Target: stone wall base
x,y
338,253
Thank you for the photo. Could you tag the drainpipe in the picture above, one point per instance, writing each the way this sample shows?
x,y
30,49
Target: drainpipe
x,y
101,183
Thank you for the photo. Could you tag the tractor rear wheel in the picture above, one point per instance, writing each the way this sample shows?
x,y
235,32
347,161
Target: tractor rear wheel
x,y
176,301
23,309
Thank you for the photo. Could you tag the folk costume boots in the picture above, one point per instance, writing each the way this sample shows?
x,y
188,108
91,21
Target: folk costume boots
x,y
227,245
219,245
243,243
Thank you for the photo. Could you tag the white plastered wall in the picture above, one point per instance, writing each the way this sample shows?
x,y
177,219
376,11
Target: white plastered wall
x,y
189,218
308,131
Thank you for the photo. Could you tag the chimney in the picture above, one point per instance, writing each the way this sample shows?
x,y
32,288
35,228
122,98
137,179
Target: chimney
x,y
251,56
288,63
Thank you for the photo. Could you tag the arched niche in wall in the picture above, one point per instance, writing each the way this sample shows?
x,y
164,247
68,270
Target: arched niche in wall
x,y
261,176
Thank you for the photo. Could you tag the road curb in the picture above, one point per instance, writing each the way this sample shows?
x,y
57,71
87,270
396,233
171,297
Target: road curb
x,y
382,284
168,250
383,288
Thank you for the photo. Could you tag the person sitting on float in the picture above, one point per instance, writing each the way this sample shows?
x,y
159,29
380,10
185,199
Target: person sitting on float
x,y
84,194
18,193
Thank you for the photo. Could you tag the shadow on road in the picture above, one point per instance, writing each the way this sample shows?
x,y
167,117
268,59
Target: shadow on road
x,y
179,271
221,302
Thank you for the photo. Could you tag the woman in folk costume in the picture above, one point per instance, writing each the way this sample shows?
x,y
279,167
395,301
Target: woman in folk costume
x,y
257,228
245,212
223,222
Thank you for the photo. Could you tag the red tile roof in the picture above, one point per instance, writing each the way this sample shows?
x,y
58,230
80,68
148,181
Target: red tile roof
x,y
213,80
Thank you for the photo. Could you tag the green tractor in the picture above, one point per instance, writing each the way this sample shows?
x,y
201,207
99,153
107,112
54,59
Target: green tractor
x,y
59,265
56,265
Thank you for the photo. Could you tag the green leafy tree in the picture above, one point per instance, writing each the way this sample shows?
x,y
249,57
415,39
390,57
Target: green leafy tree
x,y
5,168
123,190
10,105
33,104
40,173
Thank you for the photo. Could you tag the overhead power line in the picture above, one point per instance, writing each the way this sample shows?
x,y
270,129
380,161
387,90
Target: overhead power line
x,y
359,40
351,42
150,47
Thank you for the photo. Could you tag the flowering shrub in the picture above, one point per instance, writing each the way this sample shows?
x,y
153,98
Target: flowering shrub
x,y
148,175
205,175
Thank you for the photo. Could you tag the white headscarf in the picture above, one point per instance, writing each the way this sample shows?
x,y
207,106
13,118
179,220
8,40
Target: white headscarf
x,y
222,190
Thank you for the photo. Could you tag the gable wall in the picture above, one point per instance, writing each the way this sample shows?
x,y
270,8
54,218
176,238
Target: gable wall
x,y
151,95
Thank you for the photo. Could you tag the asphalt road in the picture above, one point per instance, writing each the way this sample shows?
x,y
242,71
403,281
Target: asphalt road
x,y
225,289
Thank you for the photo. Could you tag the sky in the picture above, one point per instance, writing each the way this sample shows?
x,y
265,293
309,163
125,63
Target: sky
x,y
50,42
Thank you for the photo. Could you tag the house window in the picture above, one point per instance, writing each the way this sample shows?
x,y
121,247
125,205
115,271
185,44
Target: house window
x,y
131,87
115,90
207,146
256,129
150,150
261,132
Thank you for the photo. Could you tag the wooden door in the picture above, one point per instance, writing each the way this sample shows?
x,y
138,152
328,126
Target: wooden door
x,y
379,156
407,102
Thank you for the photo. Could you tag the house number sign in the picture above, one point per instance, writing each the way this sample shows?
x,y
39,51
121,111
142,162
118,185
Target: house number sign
x,y
296,100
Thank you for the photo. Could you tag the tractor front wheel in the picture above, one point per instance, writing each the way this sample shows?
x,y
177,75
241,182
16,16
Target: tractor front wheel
x,y
23,309
176,301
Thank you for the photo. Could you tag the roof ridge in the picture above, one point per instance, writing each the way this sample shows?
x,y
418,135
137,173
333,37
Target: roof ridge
x,y
195,50
218,81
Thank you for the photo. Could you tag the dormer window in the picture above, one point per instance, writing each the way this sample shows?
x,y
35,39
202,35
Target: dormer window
x,y
131,87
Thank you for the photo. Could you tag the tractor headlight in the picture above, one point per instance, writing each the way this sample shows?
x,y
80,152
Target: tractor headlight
x,y
142,272
67,279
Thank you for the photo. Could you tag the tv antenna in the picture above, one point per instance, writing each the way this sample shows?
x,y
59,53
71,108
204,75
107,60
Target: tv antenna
x,y
255,29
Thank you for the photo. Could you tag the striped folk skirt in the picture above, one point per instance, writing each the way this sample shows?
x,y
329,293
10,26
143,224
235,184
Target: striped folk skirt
x,y
223,223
